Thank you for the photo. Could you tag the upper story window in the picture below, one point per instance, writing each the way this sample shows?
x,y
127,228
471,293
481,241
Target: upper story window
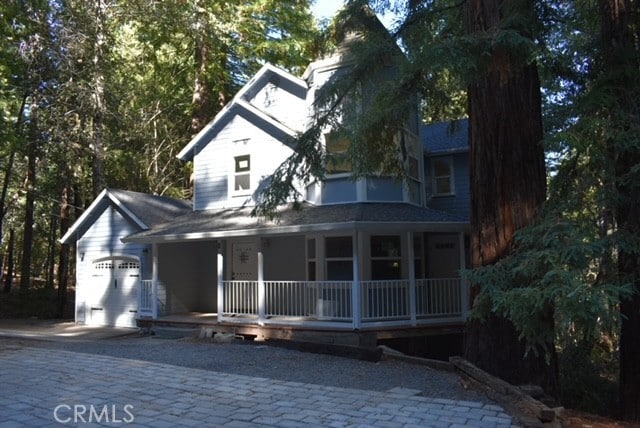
x,y
442,176
242,174
337,146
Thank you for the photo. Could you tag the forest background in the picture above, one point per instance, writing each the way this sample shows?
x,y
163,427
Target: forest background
x,y
104,93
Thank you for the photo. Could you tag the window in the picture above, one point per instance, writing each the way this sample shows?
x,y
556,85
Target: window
x,y
337,146
242,178
339,258
386,258
442,176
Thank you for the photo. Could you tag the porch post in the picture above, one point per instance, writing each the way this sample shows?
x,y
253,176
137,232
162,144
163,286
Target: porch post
x,y
220,266
412,278
261,291
464,287
356,295
154,281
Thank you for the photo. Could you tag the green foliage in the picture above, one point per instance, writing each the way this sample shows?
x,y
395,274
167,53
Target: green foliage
x,y
116,79
588,374
559,265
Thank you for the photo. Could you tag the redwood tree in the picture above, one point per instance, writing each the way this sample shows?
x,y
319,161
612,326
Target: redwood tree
x,y
618,93
507,173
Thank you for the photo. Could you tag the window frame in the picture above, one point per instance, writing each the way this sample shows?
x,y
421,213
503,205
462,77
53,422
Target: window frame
x,y
332,168
386,258
241,172
448,160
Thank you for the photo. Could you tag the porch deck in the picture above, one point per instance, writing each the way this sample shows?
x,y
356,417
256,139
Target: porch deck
x,y
353,310
368,337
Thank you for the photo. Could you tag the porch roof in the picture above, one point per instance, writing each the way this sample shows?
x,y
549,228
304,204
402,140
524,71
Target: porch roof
x,y
224,223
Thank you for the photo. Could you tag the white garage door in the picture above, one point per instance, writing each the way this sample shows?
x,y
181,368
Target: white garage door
x,y
112,292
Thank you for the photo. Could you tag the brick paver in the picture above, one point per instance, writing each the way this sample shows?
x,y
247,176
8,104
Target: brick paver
x,y
45,387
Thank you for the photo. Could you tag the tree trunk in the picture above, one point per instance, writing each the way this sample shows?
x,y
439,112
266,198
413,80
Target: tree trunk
x,y
210,61
621,59
508,183
8,280
29,210
98,100
63,260
51,251
8,170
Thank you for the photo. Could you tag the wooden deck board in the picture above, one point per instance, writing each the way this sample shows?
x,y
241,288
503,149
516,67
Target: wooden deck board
x,y
365,337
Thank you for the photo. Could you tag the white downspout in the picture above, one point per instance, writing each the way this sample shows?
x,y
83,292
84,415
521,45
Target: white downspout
x,y
220,267
261,291
356,294
412,278
154,281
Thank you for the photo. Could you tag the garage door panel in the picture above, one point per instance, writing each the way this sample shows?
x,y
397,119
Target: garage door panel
x,y
113,298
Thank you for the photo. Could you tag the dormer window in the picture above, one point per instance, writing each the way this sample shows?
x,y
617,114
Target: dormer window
x,y
242,176
442,176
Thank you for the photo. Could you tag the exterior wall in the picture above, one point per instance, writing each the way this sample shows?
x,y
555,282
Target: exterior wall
x,y
282,105
187,272
284,258
339,190
102,239
214,164
458,203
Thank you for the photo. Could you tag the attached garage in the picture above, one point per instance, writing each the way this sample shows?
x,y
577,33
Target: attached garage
x,y
108,271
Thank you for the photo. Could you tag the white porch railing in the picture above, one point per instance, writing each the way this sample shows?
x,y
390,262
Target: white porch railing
x,y
145,298
387,301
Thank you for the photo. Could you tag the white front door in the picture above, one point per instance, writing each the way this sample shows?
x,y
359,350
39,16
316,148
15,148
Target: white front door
x,y
111,294
244,261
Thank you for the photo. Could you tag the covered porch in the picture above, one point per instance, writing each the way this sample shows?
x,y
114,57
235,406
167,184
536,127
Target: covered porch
x,y
347,276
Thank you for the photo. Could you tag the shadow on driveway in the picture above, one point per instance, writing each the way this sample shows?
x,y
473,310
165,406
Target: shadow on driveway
x,y
56,330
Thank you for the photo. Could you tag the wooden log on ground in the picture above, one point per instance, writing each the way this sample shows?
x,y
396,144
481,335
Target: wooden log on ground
x,y
521,401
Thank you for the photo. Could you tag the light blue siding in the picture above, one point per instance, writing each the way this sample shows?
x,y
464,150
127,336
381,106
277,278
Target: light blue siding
x,y
339,190
103,239
282,105
214,164
458,203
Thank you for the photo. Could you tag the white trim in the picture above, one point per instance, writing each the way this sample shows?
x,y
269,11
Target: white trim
x,y
76,225
104,196
283,230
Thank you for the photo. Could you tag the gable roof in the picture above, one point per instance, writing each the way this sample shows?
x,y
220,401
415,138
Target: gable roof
x,y
215,224
445,137
141,209
240,106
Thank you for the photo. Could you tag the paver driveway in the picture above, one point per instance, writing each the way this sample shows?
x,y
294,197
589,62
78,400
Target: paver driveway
x,y
49,387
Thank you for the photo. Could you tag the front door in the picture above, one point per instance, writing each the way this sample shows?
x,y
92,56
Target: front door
x,y
244,262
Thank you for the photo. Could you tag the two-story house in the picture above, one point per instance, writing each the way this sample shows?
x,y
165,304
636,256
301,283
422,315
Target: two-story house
x,y
364,255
